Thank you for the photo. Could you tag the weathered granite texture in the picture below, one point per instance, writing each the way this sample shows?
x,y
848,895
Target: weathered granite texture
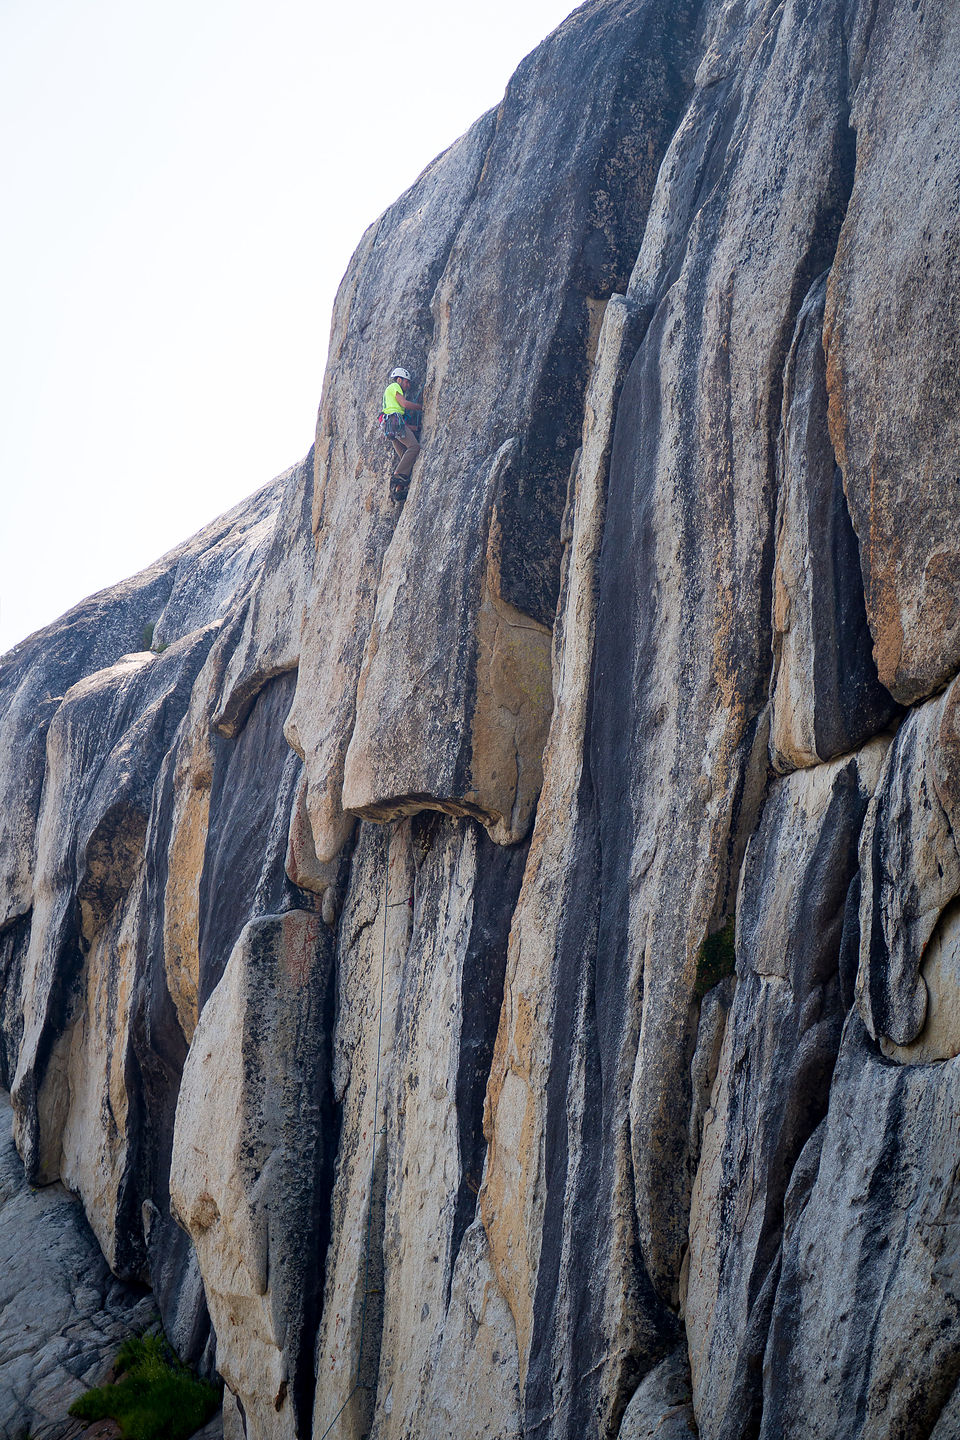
x,y
500,962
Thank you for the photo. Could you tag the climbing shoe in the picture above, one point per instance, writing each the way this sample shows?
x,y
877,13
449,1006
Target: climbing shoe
x,y
399,485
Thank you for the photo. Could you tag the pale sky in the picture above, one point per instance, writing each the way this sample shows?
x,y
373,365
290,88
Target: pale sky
x,y
183,185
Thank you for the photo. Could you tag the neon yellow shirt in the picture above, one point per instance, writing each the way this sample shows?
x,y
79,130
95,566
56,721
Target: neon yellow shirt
x,y
391,399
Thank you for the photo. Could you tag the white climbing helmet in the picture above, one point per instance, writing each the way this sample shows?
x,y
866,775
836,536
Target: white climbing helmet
x,y
399,374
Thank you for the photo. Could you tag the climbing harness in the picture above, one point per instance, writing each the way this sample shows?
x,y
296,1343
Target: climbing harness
x,y
373,1154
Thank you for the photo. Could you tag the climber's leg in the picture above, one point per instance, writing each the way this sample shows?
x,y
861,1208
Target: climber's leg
x,y
408,445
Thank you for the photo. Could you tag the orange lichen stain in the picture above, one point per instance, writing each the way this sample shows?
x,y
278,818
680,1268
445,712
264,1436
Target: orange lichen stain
x,y
513,706
181,931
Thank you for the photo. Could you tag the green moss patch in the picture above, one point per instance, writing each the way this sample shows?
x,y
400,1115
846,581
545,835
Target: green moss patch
x,y
155,1396
716,959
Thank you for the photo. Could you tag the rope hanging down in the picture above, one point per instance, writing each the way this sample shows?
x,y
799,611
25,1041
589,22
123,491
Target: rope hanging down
x,y
373,1151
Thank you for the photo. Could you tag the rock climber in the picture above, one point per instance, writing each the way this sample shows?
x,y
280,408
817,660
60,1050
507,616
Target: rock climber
x,y
396,429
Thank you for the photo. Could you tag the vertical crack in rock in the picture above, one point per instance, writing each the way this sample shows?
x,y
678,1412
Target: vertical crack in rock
x,y
450,896
251,797
498,876
462,888
372,1301
847,662
522,1201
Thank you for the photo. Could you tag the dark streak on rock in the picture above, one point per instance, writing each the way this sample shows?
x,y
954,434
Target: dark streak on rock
x,y
499,873
254,784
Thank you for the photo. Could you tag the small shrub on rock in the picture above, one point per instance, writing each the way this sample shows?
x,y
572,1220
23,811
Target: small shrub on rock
x,y
155,1397
716,960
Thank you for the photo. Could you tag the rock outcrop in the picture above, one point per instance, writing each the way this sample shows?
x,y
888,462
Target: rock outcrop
x,y
493,966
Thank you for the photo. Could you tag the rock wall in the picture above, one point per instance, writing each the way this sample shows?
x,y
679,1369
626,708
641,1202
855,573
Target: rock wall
x,y
492,966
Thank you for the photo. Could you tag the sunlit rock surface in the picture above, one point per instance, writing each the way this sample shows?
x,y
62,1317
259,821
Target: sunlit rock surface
x,y
492,966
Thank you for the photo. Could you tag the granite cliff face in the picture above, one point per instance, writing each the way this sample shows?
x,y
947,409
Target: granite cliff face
x,y
493,968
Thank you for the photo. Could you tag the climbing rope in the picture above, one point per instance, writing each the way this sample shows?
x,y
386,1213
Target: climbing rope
x,y
373,1149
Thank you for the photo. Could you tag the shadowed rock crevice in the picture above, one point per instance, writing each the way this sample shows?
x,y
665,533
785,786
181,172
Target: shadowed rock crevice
x,y
160,1049
825,693
14,942
575,1369
371,1297
540,1400
254,784
110,862
499,873
845,658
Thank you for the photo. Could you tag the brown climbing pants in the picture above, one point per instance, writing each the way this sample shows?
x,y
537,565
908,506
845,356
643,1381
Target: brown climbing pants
x,y
407,445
